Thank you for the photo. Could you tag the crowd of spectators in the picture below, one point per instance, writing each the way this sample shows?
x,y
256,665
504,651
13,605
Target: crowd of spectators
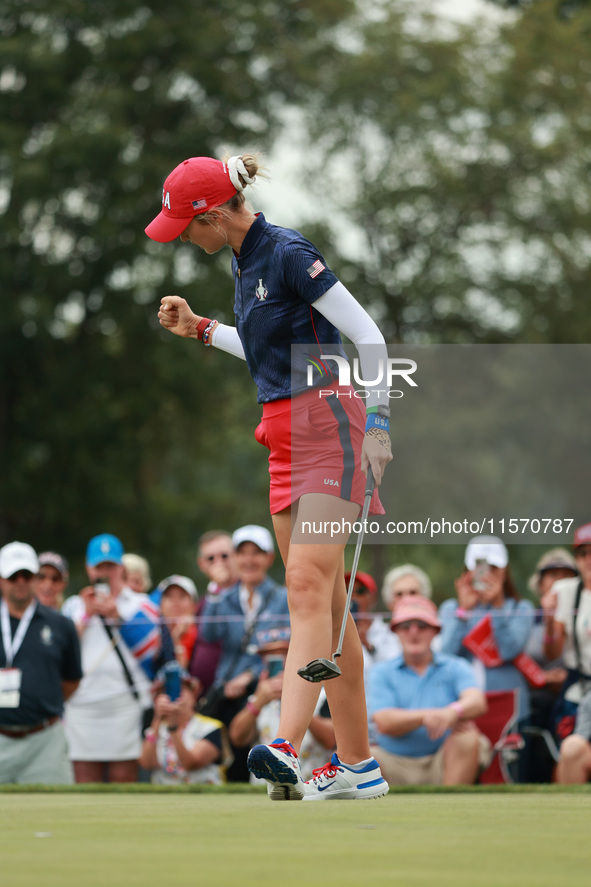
x,y
125,681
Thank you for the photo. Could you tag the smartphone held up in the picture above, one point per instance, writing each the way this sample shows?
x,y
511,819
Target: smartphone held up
x,y
479,582
102,587
172,675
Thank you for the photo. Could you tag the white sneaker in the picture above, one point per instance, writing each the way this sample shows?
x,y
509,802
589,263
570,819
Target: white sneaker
x,y
279,764
336,781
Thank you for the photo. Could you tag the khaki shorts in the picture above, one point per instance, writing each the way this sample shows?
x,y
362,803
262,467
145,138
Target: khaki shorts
x,y
426,770
403,770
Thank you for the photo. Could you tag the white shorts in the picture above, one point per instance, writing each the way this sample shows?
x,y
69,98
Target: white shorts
x,y
109,730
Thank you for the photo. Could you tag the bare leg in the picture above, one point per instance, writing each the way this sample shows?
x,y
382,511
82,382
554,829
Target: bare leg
x,y
88,771
316,595
574,766
460,758
123,771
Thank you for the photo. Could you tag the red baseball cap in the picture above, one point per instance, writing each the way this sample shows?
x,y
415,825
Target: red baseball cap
x,y
582,535
365,579
193,187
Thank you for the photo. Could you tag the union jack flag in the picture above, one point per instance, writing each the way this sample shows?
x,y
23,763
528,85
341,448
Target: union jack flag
x,y
141,634
315,269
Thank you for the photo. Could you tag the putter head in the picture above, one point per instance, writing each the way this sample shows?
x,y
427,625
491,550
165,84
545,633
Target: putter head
x,y
319,670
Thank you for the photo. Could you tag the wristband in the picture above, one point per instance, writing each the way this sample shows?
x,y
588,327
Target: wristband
x,y
150,735
208,331
550,638
462,614
374,420
252,706
458,708
202,326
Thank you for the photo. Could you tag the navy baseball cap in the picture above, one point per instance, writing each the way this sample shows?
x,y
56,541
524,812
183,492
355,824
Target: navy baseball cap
x,y
104,549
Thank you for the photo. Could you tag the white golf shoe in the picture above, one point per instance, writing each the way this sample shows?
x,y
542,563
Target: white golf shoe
x,y
279,764
336,781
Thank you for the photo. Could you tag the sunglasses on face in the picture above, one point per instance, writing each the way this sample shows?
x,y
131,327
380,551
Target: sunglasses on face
x,y
406,626
210,558
21,574
582,550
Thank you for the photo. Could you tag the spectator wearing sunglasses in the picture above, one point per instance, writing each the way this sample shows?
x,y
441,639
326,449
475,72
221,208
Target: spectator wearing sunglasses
x,y
234,618
39,669
422,705
216,560
364,599
404,579
52,580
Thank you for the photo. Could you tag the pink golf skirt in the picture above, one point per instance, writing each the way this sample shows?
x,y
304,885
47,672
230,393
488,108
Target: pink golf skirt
x,y
314,445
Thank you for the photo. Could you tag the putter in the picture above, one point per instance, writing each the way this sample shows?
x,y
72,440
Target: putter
x,y
324,669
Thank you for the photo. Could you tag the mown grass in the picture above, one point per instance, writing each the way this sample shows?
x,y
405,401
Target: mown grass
x,y
92,836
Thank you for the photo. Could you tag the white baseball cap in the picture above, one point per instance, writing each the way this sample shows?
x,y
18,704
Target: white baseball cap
x,y
17,556
253,533
182,581
486,548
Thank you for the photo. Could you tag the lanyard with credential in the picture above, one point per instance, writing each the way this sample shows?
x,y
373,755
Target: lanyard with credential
x,y
12,645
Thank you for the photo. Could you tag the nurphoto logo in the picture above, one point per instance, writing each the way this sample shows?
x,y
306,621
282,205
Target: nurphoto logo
x,y
400,368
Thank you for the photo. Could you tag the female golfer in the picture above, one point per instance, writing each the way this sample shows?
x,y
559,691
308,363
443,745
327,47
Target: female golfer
x,y
320,437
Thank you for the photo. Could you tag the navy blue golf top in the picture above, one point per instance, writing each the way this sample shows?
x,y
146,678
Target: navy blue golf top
x,y
278,276
48,656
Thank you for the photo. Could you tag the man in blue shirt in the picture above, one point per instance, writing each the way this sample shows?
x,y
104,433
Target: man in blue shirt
x,y
422,705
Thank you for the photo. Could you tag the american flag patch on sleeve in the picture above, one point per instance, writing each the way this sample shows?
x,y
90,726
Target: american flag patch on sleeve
x,y
315,269
199,204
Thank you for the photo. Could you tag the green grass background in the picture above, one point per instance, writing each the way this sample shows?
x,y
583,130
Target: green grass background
x,y
140,839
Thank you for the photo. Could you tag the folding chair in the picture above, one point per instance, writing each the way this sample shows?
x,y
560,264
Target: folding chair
x,y
498,724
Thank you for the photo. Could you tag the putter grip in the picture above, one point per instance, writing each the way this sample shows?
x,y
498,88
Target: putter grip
x,y
369,482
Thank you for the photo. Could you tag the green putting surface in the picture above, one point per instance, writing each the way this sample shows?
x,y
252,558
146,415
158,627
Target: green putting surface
x,y
145,839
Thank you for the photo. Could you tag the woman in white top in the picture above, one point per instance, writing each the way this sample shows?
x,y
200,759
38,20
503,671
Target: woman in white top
x,y
181,747
119,632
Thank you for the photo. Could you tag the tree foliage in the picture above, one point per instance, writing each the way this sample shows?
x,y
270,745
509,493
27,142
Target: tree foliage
x,y
450,165
107,423
564,9
466,175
